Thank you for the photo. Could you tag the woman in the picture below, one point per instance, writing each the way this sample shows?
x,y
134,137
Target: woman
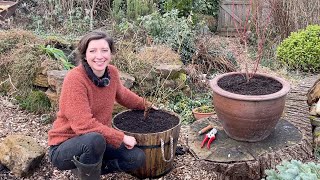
x,y
82,138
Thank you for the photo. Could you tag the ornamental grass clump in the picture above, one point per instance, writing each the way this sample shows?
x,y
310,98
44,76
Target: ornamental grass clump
x,y
301,50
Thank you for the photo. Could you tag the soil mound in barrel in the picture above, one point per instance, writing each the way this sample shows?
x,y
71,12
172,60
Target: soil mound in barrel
x,y
157,121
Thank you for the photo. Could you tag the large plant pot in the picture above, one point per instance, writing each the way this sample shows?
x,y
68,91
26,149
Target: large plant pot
x,y
159,147
248,117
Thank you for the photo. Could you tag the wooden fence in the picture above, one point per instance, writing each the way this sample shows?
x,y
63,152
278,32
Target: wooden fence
x,y
232,15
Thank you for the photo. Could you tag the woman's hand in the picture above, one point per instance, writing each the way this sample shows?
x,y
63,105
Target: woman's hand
x,y
129,141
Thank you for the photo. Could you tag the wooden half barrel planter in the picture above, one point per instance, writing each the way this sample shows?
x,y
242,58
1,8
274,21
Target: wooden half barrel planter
x,y
253,117
157,136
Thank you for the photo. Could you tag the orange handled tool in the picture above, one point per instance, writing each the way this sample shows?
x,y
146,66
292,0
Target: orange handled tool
x,y
205,129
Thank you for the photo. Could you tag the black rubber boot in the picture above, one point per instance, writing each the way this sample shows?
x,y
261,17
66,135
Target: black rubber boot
x,y
86,171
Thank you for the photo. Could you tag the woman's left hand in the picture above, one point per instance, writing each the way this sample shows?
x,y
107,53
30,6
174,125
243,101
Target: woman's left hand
x,y
129,141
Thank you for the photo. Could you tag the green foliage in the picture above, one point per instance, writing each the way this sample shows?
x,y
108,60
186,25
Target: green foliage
x,y
183,105
205,109
187,7
301,50
57,54
131,9
7,44
36,102
208,7
118,10
294,170
58,18
183,6
177,32
15,38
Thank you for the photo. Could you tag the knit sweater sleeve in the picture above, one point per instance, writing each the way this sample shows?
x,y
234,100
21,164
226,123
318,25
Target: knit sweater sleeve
x,y
126,97
74,105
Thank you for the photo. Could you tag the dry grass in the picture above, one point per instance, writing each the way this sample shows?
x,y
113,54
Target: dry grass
x,y
20,60
211,55
159,54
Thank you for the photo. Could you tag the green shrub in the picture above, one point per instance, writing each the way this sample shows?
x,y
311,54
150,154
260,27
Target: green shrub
x,y
184,6
176,32
183,105
301,50
131,9
294,170
36,102
208,7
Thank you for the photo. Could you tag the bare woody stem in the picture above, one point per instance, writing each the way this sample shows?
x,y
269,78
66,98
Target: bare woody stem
x,y
260,21
146,109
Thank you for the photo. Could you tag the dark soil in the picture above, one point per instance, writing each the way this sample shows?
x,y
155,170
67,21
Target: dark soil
x,y
258,85
134,122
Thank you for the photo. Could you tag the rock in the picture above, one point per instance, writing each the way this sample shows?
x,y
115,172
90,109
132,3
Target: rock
x,y
315,121
316,132
312,110
318,107
41,80
53,97
168,70
126,79
313,94
21,154
55,79
316,141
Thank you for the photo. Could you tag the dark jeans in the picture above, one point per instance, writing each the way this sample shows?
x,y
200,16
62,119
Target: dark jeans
x,y
90,148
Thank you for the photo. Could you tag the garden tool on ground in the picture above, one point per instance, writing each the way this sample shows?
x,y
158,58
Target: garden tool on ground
x,y
205,129
210,136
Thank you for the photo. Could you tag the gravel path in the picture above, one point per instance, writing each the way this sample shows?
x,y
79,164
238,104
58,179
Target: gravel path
x,y
13,120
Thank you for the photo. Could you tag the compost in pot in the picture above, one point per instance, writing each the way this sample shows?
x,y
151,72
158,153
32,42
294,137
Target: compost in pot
x,y
257,85
157,121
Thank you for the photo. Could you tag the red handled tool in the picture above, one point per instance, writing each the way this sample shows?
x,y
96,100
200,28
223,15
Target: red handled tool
x,y
210,136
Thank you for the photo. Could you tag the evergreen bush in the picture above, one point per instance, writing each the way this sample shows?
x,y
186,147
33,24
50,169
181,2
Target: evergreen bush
x,y
294,170
301,50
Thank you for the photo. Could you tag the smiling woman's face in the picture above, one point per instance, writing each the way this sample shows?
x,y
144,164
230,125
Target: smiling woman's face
x,y
98,56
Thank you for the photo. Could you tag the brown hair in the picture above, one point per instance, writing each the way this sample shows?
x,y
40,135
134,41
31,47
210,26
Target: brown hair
x,y
84,42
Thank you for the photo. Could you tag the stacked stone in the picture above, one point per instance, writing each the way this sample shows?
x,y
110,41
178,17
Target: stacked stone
x,y
314,103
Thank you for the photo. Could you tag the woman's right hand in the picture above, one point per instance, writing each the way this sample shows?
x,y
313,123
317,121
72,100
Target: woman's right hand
x,y
129,141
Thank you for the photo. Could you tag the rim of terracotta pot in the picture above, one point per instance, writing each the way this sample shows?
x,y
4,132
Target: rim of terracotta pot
x,y
214,86
172,113
194,110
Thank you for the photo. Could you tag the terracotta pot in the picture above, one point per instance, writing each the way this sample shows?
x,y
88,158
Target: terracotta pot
x,y
248,117
198,115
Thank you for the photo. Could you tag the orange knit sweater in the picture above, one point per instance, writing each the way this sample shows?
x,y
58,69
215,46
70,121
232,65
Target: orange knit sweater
x,y
84,107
